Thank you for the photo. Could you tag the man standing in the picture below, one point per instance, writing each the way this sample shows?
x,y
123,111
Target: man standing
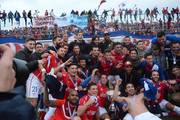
x,y
4,17
17,17
25,17
10,17
30,17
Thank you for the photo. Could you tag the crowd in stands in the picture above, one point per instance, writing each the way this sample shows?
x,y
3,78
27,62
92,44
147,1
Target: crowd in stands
x,y
149,23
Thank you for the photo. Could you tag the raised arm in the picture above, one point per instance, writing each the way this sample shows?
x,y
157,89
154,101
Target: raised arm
x,y
116,96
59,67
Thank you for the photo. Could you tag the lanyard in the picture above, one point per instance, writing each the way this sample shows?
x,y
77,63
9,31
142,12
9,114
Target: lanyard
x,y
69,110
74,82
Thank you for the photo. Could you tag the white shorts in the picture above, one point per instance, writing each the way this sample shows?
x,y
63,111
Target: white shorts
x,y
163,104
33,86
102,111
146,116
128,117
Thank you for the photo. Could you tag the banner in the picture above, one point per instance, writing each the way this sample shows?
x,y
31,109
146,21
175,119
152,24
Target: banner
x,y
44,21
62,21
79,21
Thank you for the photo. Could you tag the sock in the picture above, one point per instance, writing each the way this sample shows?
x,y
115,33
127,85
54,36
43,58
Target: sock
x,y
177,110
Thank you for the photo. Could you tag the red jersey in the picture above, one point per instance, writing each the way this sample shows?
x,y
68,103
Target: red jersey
x,y
63,111
51,62
117,56
161,90
91,110
102,90
106,66
66,79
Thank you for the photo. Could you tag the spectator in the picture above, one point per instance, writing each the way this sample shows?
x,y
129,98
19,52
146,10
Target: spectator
x,y
10,17
17,17
46,13
4,17
25,17
30,17
52,13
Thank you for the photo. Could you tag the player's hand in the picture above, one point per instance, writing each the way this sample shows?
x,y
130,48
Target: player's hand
x,y
69,61
118,82
172,82
91,100
94,71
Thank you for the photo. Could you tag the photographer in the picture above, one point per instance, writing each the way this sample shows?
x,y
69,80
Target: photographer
x,y
13,105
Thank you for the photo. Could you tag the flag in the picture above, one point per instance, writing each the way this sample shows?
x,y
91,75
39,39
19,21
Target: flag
x,y
102,1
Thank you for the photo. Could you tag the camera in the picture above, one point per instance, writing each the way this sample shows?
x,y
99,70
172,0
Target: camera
x,y
21,70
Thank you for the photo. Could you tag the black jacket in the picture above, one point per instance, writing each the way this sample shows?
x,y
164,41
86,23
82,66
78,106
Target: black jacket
x,y
26,55
15,107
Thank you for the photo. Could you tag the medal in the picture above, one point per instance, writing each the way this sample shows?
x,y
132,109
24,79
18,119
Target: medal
x,y
74,83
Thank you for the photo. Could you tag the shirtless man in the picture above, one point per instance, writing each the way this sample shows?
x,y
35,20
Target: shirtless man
x,y
135,104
